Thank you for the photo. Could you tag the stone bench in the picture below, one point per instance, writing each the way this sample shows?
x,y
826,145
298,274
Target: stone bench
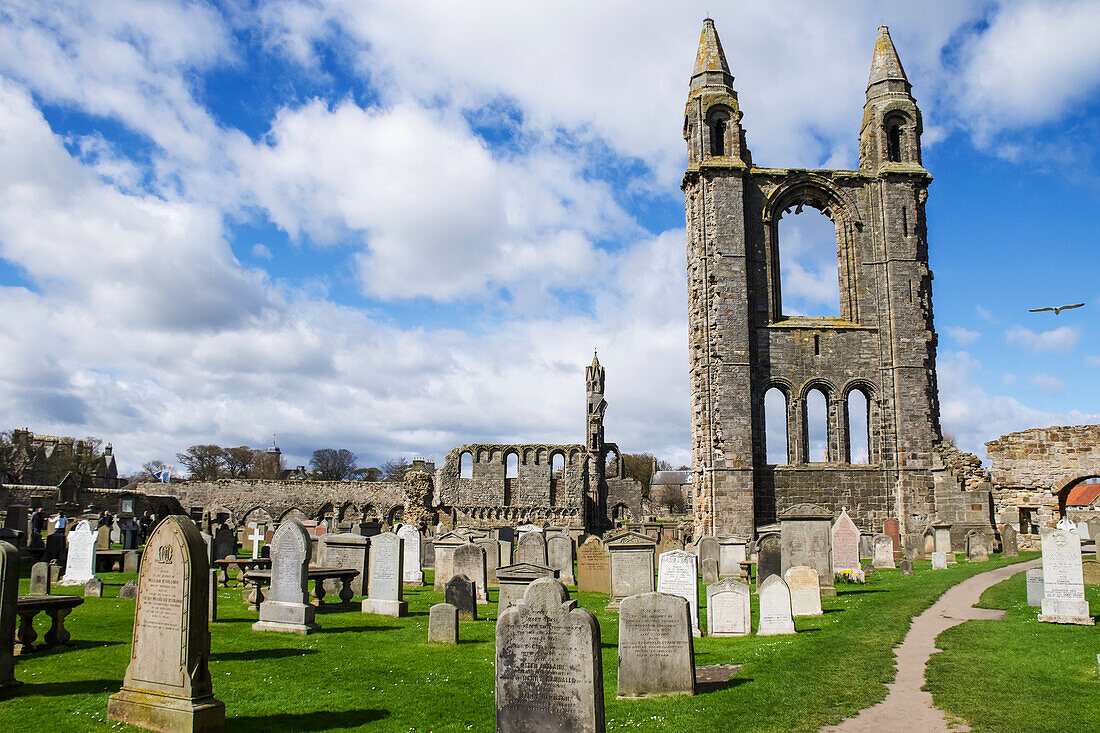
x,y
56,607
242,566
318,575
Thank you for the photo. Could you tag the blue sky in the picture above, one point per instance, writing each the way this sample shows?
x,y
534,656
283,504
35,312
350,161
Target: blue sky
x,y
397,227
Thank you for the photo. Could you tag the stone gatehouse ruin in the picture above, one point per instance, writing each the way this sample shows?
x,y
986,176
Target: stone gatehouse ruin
x,y
881,349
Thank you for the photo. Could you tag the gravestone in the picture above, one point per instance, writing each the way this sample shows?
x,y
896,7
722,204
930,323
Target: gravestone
x,y
93,588
866,546
631,561
9,595
769,558
131,561
656,652
1063,580
775,608
1094,532
80,563
103,537
131,534
40,579
167,685
225,543
412,574
806,537
979,545
531,549
731,553
677,575
549,670
461,592
443,548
1035,587
709,547
891,529
514,579
728,612
469,560
942,532
286,604
385,579
129,590
845,540
805,591
929,542
559,552
884,552
1090,571
443,623
255,538
939,561
55,548
709,571
491,548
210,546
212,594
505,553
593,567
1010,546
906,566
55,574
346,550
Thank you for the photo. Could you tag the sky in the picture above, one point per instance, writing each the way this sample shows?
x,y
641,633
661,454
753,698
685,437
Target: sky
x,y
398,227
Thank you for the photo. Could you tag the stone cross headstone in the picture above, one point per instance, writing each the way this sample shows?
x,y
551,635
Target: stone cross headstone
x,y
631,560
256,538
769,553
775,608
559,552
593,567
656,652
386,579
939,561
1063,581
286,605
805,591
348,550
469,560
167,685
709,571
80,565
531,549
806,537
884,552
461,592
412,573
40,579
678,575
1035,587
845,539
9,595
443,623
548,664
1010,546
728,612
514,579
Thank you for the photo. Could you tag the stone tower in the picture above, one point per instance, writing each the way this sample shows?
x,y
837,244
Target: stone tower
x,y
594,380
743,344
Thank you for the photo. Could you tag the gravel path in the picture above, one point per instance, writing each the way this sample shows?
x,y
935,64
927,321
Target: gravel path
x,y
907,708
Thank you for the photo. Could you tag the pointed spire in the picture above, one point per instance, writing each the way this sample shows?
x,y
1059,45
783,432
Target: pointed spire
x,y
886,65
595,360
710,56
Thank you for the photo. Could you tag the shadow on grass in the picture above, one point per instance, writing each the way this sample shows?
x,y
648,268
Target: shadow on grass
x,y
704,688
260,654
352,629
327,608
71,646
315,721
834,610
860,592
83,687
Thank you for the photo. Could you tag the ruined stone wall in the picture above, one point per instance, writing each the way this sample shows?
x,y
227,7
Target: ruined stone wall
x,y
535,485
624,492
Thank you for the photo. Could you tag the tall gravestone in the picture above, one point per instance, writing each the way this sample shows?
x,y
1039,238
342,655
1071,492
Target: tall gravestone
x,y
678,575
728,610
632,557
559,552
979,546
492,559
549,670
40,579
286,606
845,539
167,685
775,608
531,549
9,594
891,528
412,574
461,592
709,570
1063,581
469,560
806,537
884,552
805,591
942,537
347,550
769,558
80,564
1010,546
103,538
443,548
593,567
731,554
386,580
939,561
1034,579
709,547
656,652
225,543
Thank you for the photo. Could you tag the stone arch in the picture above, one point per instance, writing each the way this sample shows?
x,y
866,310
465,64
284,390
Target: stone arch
x,y
293,513
256,514
621,512
721,126
847,438
395,515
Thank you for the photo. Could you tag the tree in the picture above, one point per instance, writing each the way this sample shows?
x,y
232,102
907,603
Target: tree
x,y
639,466
203,462
333,464
238,461
368,474
13,460
267,465
668,496
395,469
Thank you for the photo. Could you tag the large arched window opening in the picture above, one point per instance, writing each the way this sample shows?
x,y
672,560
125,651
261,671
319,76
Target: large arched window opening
x,y
859,427
466,465
775,427
809,279
893,142
557,466
511,466
817,427
611,464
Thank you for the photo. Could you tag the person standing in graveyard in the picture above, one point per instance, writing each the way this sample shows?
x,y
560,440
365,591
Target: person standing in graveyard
x,y
38,521
146,524
62,520
104,520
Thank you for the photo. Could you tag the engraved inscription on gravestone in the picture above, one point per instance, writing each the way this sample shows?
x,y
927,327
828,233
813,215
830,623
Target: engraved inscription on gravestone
x,y
656,652
728,612
678,576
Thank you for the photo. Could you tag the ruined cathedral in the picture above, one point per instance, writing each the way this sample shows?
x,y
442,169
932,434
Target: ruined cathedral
x,y
743,343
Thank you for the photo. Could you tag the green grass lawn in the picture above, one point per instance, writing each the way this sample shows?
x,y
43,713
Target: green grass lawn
x,y
1018,674
377,673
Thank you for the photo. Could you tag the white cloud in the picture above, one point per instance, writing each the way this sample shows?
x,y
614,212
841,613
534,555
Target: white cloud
x,y
962,335
261,252
1047,383
1057,340
984,313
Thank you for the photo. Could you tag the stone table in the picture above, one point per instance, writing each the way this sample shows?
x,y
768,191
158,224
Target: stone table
x,y
56,607
317,575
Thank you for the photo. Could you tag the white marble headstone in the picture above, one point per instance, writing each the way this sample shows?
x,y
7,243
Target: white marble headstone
x,y
678,575
80,565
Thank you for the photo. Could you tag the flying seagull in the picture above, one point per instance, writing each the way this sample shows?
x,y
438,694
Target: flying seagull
x,y
1057,310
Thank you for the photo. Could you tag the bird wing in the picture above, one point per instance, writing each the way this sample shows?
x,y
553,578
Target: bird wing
x,y
1039,310
1075,305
